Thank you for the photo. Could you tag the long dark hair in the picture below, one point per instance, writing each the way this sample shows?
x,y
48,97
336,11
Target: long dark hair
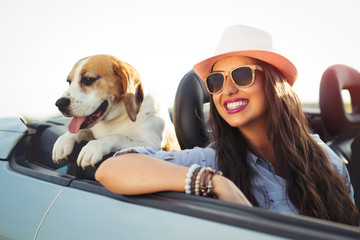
x,y
312,184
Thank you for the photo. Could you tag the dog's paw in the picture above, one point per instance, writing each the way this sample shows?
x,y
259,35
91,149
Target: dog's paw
x,y
92,153
62,148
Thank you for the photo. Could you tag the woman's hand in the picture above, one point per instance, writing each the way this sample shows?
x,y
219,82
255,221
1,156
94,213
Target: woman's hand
x,y
226,190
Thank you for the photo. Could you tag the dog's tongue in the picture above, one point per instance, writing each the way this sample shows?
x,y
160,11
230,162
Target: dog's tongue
x,y
74,125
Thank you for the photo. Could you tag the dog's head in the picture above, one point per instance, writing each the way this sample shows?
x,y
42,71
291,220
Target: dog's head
x,y
101,86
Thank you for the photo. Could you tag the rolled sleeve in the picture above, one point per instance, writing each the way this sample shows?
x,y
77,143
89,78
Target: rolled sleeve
x,y
205,157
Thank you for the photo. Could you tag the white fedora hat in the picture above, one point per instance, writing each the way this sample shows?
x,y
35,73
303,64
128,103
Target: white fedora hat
x,y
251,42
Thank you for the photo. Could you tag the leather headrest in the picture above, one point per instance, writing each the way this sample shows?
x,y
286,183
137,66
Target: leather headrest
x,y
335,118
188,113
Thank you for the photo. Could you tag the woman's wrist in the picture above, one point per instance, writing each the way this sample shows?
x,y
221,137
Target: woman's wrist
x,y
198,180
224,189
218,184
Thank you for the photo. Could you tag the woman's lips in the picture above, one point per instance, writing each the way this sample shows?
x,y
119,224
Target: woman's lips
x,y
236,105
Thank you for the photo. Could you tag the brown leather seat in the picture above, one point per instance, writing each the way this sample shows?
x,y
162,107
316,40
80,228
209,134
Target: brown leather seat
x,y
344,128
189,118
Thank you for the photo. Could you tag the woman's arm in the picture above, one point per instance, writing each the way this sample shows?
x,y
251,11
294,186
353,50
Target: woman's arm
x,y
134,174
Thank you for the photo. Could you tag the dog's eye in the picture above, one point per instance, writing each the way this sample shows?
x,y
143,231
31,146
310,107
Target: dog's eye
x,y
88,80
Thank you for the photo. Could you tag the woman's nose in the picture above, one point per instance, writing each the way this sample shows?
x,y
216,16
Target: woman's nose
x,y
229,86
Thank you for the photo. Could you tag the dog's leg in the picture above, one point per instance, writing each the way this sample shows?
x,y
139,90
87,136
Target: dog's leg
x,y
64,145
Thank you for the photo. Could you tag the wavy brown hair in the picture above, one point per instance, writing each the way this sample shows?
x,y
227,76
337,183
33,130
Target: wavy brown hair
x,y
313,186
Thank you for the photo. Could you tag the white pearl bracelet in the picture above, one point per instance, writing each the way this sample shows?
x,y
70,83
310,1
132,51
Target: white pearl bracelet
x,y
189,176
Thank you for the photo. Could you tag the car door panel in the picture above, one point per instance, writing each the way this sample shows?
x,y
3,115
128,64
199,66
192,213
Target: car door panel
x,y
23,203
78,214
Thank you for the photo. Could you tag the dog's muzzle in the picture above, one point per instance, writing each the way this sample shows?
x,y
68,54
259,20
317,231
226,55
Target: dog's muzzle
x,y
62,104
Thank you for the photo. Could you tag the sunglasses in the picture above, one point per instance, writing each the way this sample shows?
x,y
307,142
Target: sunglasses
x,y
242,76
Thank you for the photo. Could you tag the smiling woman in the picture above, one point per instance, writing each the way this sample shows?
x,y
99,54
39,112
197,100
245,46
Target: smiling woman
x,y
41,40
263,145
251,102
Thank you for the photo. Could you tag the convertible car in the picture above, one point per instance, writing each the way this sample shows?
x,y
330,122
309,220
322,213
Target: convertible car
x,y
43,200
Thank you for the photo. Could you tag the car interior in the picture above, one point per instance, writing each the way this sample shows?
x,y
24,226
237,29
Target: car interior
x,y
343,127
338,128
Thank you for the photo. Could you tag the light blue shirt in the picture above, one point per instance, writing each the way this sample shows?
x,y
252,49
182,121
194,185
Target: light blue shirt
x,y
268,188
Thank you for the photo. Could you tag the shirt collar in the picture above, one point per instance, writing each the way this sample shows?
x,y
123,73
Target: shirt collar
x,y
251,158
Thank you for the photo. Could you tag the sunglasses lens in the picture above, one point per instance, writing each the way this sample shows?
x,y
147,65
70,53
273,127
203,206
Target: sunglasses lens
x,y
242,76
215,82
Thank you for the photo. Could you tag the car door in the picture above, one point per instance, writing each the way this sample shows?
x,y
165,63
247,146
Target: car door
x,y
79,214
42,201
24,203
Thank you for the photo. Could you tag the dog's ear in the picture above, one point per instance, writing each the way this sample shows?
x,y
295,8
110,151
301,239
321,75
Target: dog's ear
x,y
133,101
133,89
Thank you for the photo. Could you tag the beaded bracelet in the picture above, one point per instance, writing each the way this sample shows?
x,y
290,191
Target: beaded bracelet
x,y
188,179
210,186
193,179
203,186
197,181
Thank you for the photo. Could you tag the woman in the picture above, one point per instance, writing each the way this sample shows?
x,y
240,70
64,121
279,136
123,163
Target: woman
x,y
261,141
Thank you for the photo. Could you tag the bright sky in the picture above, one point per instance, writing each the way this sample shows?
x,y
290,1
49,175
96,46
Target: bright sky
x,y
42,39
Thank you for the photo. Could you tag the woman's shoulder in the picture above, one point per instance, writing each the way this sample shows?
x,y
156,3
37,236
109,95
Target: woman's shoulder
x,y
338,165
334,159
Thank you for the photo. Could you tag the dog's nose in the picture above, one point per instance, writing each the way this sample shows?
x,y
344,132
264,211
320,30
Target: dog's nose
x,y
62,104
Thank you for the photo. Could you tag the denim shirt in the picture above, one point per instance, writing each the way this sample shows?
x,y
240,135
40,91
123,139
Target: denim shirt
x,y
268,188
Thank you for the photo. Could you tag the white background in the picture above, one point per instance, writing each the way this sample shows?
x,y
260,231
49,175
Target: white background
x,y
42,39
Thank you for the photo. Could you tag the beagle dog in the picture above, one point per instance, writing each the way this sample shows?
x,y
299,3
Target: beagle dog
x,y
110,110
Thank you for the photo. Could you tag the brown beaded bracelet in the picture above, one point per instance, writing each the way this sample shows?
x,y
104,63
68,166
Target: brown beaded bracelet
x,y
200,182
196,172
207,191
204,185
197,181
